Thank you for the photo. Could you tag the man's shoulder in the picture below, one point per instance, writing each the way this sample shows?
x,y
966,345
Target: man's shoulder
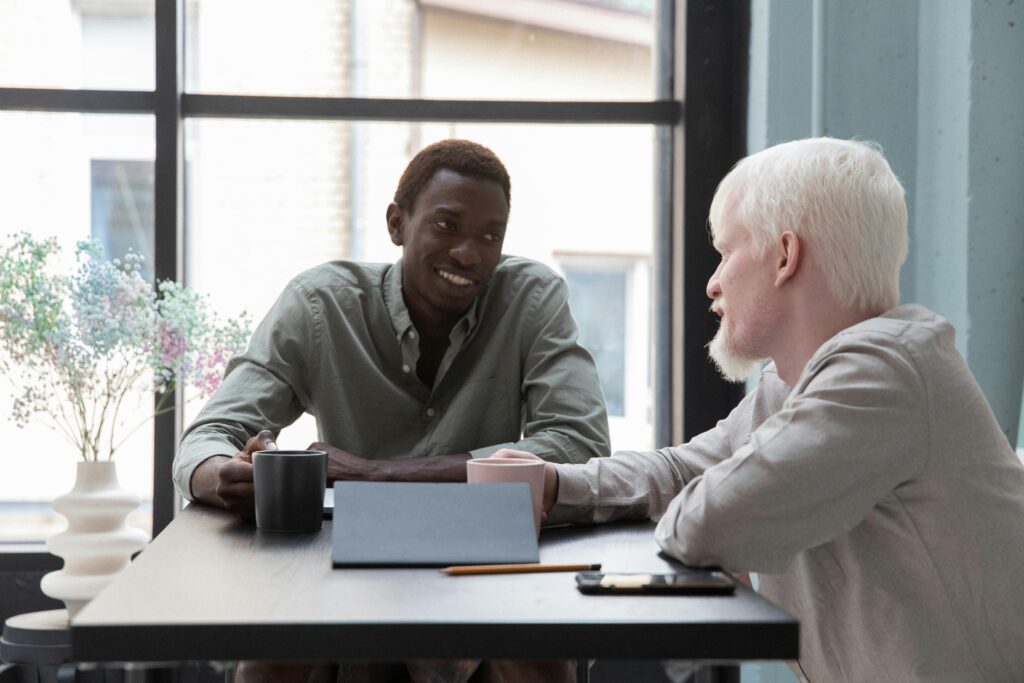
x,y
910,326
338,277
514,272
907,338
519,289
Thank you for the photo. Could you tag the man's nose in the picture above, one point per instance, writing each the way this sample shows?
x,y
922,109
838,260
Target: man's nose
x,y
714,289
466,254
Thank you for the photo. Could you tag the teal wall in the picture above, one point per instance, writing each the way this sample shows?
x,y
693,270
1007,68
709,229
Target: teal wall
x,y
940,85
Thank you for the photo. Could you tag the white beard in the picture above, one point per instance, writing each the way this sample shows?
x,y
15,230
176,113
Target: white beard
x,y
732,366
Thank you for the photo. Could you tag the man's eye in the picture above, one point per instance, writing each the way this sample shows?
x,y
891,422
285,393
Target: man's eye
x,y
444,224
494,237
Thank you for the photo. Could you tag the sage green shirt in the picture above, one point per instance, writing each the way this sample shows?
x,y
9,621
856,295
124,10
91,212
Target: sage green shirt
x,y
339,344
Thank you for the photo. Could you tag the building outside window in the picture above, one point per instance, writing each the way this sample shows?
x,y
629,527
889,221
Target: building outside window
x,y
266,198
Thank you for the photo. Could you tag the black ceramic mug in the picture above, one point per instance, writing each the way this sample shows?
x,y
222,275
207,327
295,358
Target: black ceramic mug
x,y
289,489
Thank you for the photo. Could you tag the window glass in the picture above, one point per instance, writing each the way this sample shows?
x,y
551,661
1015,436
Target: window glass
x,y
51,162
445,49
610,298
598,301
267,199
122,208
102,44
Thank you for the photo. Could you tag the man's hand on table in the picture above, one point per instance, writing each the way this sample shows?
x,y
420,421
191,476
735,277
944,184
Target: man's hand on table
x,y
345,466
551,491
550,476
227,482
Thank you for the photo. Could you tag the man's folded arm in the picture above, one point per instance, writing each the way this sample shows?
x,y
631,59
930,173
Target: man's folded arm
x,y
810,473
250,399
628,485
640,484
264,388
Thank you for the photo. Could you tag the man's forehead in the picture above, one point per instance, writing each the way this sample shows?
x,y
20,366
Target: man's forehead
x,y
728,230
724,207
462,197
448,186
718,224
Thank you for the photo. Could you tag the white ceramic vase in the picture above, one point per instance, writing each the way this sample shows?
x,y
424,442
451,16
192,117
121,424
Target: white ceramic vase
x,y
97,545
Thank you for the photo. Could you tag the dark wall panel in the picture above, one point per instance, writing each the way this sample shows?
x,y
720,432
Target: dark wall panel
x,y
20,574
717,57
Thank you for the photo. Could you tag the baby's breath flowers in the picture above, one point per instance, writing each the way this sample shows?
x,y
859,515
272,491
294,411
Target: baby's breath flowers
x,y
76,347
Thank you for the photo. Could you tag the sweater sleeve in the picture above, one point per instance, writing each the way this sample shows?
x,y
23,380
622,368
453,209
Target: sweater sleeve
x,y
637,484
854,429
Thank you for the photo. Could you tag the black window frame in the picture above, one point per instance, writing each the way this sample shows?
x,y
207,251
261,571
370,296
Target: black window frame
x,y
706,40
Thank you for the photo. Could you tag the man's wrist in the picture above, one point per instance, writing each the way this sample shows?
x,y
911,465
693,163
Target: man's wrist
x,y
427,468
205,479
430,468
550,486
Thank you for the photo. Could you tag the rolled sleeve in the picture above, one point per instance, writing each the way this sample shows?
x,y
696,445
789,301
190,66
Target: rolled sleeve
x,y
643,483
638,484
193,454
264,388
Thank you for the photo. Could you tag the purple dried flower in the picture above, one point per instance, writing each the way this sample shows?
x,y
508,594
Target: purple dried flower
x,y
75,346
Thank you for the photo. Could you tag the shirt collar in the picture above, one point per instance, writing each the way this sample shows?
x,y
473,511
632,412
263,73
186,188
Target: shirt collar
x,y
400,320
393,300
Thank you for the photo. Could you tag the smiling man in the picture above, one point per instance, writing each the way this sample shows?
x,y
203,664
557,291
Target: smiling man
x,y
865,478
410,369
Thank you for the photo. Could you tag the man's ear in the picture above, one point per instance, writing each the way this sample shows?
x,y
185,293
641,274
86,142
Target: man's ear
x,y
396,224
787,257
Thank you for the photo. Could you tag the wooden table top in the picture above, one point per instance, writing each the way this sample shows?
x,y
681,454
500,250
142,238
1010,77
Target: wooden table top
x,y
213,588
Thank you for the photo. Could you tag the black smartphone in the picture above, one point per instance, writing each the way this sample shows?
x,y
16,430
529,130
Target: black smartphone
x,y
686,583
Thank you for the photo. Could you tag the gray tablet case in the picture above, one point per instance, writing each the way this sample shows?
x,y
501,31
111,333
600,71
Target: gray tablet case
x,y
405,524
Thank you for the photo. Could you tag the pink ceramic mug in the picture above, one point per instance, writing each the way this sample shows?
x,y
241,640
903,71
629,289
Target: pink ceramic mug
x,y
505,470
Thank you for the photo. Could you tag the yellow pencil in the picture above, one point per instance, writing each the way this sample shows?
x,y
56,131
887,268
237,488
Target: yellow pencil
x,y
466,570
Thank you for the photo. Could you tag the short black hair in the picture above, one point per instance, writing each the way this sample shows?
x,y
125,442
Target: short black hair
x,y
464,157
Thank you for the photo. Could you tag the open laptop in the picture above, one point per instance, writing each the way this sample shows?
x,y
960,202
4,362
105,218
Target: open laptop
x,y
411,524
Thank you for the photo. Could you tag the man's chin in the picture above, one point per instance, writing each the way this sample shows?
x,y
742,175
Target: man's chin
x,y
455,306
732,367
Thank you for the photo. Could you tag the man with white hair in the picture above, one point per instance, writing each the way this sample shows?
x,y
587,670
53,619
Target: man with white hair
x,y
865,479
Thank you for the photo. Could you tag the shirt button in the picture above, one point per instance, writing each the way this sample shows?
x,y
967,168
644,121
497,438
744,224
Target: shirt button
x,y
430,412
412,334
405,369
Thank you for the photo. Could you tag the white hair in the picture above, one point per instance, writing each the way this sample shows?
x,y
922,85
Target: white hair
x,y
839,196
